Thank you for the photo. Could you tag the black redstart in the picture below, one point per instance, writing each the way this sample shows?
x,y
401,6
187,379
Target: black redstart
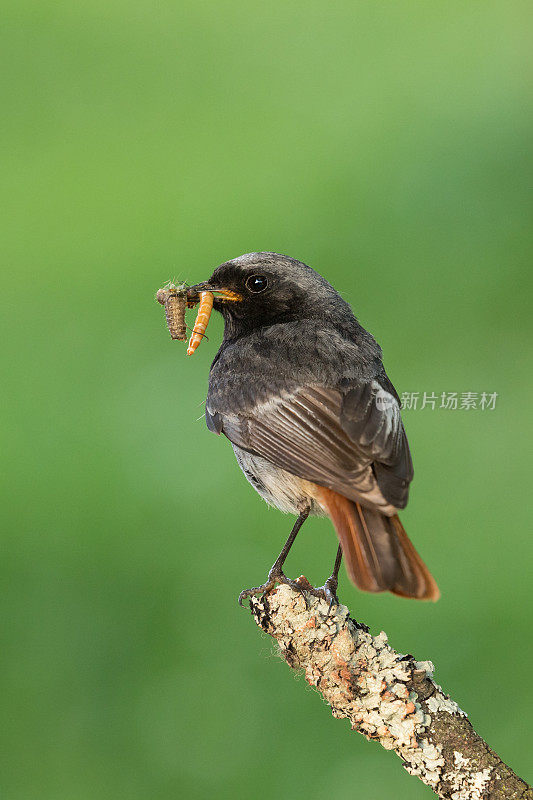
x,y
299,389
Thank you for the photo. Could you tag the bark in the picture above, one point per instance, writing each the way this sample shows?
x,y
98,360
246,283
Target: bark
x,y
386,696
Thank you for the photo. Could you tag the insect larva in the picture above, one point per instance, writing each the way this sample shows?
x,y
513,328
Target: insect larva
x,y
175,303
202,318
175,313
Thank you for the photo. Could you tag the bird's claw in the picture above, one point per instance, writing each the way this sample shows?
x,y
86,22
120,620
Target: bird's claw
x,y
264,589
327,592
270,584
274,576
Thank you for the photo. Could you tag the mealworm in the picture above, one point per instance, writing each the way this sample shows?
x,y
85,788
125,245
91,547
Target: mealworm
x,y
202,318
175,302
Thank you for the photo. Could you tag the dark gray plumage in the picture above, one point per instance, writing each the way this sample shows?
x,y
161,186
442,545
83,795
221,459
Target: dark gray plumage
x,y
299,388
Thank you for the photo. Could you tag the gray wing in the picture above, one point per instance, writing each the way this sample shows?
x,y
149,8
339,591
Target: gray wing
x,y
351,441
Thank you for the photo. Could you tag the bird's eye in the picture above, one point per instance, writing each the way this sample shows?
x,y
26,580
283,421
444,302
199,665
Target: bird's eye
x,y
257,283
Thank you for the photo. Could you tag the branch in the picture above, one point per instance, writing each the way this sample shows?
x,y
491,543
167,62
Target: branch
x,y
388,697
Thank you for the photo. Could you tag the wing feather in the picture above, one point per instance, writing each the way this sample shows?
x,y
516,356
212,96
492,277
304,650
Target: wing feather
x,y
353,441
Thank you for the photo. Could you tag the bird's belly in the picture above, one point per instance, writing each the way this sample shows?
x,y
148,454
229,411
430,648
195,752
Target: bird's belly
x,y
278,487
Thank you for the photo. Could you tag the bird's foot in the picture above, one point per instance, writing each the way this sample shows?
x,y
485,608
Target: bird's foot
x,y
327,592
275,576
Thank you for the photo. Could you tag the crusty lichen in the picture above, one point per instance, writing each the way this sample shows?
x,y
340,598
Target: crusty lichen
x,y
465,784
386,696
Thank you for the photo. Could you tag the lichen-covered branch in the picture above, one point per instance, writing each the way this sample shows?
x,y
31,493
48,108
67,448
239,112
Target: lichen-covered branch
x,y
386,696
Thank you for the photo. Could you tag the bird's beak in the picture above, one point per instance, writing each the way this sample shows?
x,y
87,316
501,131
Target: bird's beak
x,y
220,294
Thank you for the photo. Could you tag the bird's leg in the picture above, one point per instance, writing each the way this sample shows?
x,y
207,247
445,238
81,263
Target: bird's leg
x,y
276,573
328,591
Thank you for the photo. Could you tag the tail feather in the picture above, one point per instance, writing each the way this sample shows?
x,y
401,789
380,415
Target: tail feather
x,y
378,553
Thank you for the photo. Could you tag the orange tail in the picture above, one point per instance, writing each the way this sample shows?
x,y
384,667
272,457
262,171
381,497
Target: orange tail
x,y
378,553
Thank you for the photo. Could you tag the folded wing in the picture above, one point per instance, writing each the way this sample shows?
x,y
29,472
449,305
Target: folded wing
x,y
351,441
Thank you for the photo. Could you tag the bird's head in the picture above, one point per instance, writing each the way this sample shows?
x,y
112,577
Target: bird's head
x,y
260,289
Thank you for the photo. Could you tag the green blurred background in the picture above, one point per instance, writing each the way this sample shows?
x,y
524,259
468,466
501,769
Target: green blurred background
x,y
388,145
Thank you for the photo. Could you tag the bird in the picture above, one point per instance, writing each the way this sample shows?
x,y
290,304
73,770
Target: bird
x,y
299,388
